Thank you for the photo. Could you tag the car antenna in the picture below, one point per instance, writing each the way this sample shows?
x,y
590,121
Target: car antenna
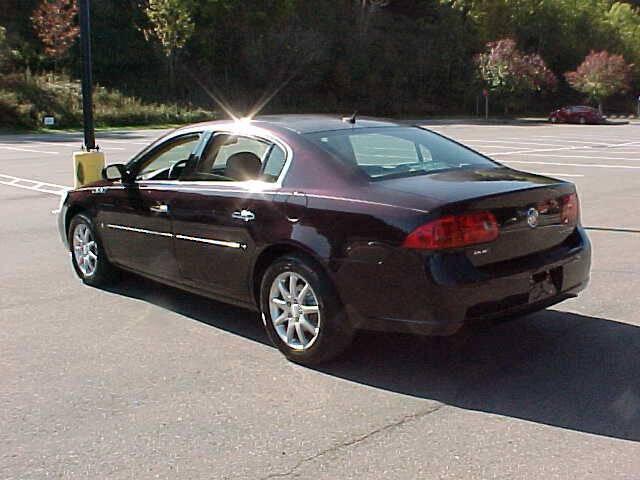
x,y
351,119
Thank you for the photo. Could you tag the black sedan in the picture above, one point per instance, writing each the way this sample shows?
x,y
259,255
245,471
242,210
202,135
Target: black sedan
x,y
326,226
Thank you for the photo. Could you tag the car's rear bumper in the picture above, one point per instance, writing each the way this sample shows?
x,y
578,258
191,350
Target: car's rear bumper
x,y
451,299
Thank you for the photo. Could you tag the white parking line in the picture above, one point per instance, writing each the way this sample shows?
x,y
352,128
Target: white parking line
x,y
73,144
626,144
7,147
567,140
513,142
626,152
518,152
579,156
476,147
587,165
562,143
612,141
584,142
35,185
553,174
98,140
78,145
595,150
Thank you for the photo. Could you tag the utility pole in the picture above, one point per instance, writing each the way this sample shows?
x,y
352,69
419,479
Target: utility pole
x,y
87,82
88,164
485,94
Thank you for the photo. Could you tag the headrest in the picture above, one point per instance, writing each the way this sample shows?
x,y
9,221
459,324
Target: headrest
x,y
243,166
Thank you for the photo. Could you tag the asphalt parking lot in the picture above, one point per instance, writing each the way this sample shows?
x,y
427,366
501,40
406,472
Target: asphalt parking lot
x,y
144,381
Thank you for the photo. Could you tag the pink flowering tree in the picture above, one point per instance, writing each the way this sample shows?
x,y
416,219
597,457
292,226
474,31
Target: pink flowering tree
x,y
512,74
601,75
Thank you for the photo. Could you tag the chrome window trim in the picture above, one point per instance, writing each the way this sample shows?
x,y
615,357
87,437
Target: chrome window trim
x,y
246,131
159,143
205,187
108,187
206,134
252,185
166,138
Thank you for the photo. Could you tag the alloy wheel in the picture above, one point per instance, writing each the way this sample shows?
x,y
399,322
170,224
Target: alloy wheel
x,y
294,310
85,249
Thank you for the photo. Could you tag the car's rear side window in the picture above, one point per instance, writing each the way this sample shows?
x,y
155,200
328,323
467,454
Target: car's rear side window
x,y
230,157
274,164
397,151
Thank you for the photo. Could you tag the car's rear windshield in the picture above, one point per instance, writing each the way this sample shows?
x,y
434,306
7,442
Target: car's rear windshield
x,y
387,152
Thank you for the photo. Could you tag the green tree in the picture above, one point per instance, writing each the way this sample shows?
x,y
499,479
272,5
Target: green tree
x,y
600,76
4,48
624,21
170,23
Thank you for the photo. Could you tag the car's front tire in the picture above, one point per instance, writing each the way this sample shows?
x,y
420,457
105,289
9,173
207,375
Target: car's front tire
x,y
87,254
302,313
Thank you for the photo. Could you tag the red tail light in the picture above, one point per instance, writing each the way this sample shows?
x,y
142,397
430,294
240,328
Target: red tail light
x,y
570,209
454,231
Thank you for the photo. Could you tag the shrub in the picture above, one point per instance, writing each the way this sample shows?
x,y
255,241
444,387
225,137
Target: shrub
x,y
24,101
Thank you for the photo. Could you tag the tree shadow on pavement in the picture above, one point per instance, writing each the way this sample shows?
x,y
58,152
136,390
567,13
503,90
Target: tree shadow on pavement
x,y
557,368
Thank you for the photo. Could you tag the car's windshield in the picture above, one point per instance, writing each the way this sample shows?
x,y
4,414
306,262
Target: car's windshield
x,y
397,151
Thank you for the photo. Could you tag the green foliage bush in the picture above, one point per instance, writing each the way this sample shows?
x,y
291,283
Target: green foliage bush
x,y
380,57
25,100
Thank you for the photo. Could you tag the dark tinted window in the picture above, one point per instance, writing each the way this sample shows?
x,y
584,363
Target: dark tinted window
x,y
274,164
157,164
230,157
397,151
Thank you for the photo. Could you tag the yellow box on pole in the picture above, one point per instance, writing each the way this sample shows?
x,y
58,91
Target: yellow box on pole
x,y
87,167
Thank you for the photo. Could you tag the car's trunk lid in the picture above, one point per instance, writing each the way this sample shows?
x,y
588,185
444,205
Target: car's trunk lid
x,y
527,207
530,221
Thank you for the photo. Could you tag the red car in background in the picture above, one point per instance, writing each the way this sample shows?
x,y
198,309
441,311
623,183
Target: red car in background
x,y
576,114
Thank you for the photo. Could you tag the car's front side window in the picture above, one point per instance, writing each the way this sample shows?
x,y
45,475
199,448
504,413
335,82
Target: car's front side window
x,y
157,164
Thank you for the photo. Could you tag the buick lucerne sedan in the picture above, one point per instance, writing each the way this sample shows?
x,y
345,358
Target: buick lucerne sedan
x,y
327,226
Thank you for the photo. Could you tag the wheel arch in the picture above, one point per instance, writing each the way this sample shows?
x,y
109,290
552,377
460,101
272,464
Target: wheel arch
x,y
76,209
72,212
275,251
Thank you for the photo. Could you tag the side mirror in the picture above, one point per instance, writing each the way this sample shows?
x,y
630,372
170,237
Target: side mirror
x,y
114,172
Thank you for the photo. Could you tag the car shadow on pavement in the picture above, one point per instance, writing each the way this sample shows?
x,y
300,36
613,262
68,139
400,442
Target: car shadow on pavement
x,y
556,368
216,314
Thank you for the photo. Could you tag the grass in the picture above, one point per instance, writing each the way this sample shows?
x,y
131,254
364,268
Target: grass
x,y
26,99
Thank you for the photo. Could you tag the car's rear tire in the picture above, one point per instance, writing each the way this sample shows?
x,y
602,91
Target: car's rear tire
x,y
87,254
309,326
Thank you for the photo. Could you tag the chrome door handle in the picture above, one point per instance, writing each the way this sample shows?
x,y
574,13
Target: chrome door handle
x,y
244,215
162,208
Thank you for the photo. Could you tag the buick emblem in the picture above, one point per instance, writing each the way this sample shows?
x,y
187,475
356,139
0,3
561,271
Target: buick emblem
x,y
532,217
